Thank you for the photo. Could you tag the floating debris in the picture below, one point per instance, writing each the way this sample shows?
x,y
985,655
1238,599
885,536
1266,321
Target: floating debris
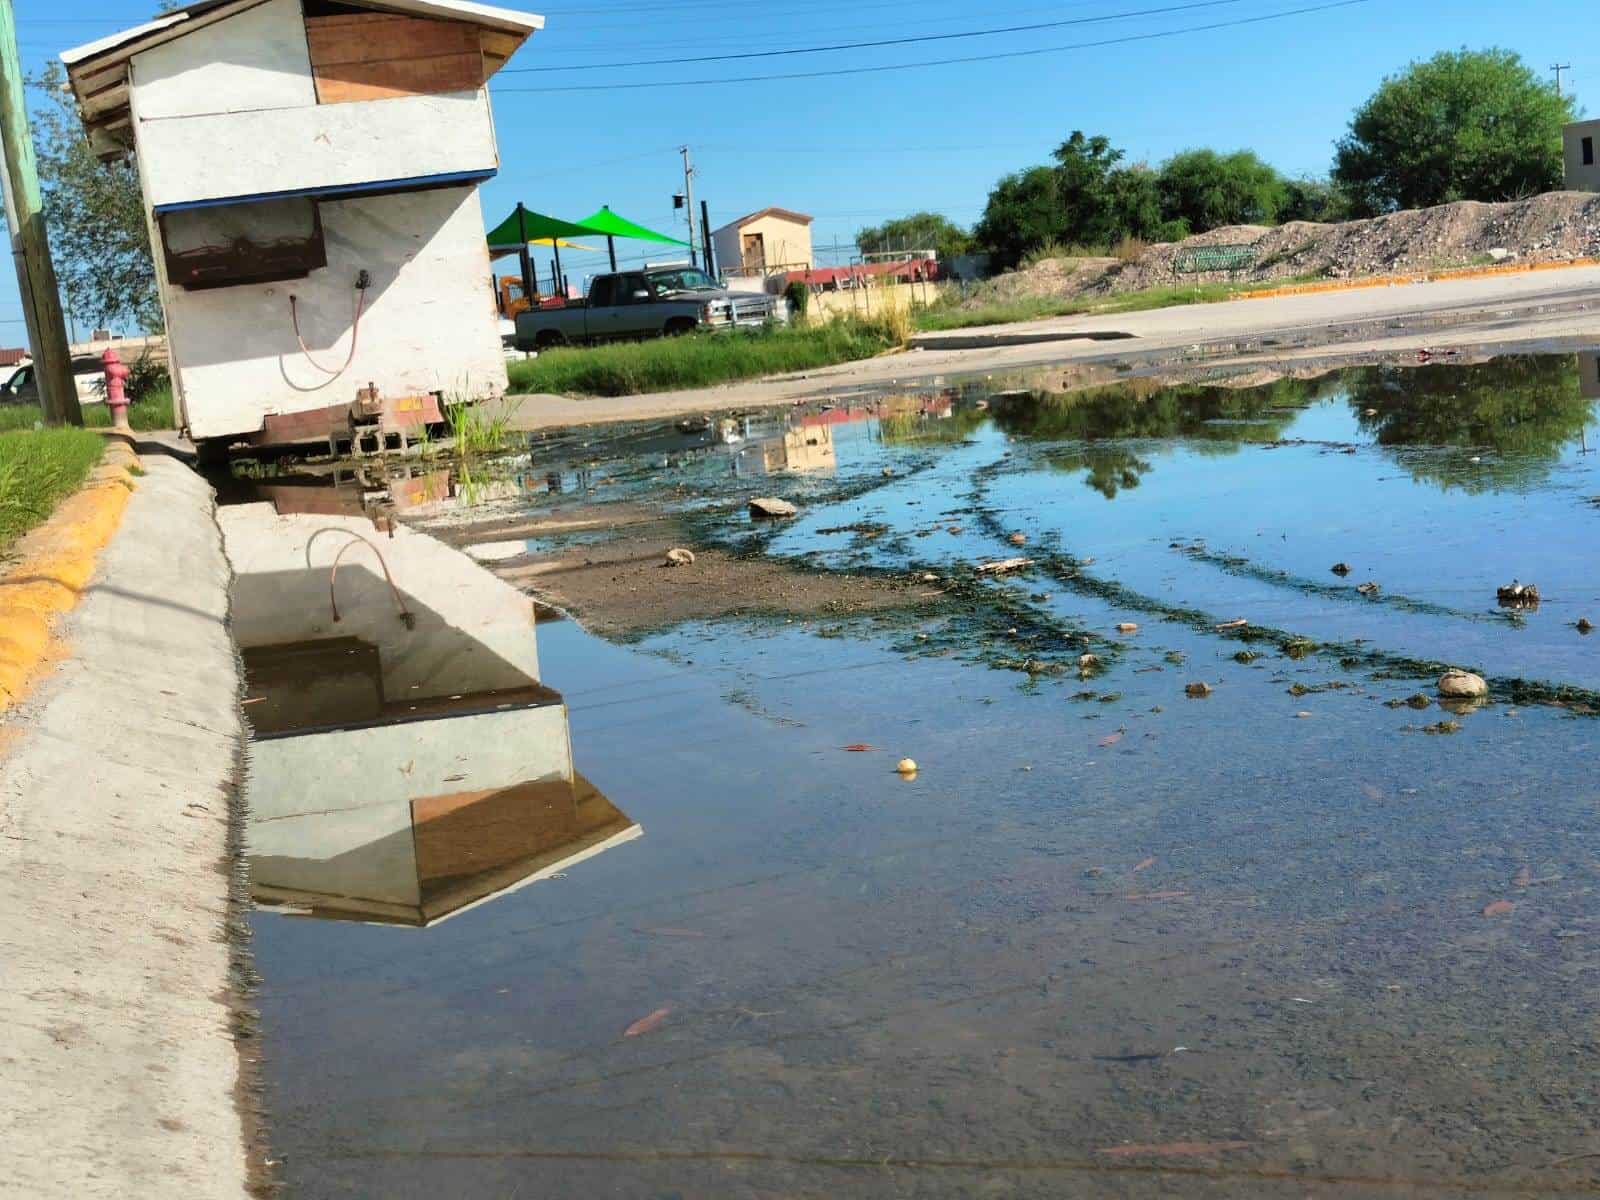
x,y
1340,568
1127,627
1002,565
1584,625
907,767
647,1023
1238,623
1368,589
1018,539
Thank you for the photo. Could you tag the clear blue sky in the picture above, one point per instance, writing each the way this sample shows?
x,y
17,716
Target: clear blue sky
x,y
857,149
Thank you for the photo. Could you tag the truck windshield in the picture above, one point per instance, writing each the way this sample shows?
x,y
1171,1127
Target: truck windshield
x,y
685,279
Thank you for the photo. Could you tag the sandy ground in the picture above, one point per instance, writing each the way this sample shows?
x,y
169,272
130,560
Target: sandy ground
x,y
1505,309
118,1068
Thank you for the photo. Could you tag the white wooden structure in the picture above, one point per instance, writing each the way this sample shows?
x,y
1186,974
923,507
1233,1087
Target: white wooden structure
x,y
310,172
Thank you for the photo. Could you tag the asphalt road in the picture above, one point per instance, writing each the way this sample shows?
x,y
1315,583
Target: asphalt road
x,y
1535,307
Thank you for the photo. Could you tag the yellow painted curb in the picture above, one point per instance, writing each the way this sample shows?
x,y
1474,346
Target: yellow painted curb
x,y
1376,281
56,561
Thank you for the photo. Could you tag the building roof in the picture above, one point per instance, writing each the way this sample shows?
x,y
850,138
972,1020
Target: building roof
x,y
98,70
788,214
191,17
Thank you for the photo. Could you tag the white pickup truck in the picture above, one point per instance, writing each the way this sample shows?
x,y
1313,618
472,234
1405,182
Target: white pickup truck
x,y
21,387
659,302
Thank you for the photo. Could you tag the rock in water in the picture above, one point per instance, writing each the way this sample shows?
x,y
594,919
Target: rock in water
x,y
771,507
1463,685
1518,593
1127,627
1018,539
1196,691
679,557
1584,625
1340,568
1367,589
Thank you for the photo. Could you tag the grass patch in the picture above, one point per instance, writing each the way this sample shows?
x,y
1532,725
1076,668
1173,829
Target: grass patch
x,y
938,317
705,359
39,470
155,411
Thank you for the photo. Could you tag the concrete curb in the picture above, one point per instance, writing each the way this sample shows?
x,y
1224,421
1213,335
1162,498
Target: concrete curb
x,y
56,561
119,1065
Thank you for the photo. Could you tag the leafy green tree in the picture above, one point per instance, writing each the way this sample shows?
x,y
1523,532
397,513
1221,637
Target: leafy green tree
x,y
1024,212
1085,167
1313,200
95,215
1464,125
919,231
1205,189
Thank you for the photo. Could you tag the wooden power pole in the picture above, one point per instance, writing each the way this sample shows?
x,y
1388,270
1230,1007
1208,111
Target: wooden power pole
x,y
41,297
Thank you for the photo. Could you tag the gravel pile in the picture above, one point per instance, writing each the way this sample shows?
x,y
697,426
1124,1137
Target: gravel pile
x,y
1551,227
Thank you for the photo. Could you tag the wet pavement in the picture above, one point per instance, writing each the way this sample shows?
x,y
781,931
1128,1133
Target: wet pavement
x,y
1291,938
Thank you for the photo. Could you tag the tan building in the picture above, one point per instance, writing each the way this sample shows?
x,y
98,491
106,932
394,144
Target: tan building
x,y
774,239
1580,153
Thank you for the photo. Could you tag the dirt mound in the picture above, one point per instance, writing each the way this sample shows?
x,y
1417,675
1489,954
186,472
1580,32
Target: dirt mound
x,y
1551,227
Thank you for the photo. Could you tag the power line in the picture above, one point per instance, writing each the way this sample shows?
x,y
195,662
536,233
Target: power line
x,y
900,41
940,62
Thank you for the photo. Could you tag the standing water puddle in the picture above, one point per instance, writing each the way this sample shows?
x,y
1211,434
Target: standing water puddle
x,y
638,915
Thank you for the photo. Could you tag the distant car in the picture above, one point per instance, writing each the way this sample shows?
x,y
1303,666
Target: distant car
x,y
23,385
660,302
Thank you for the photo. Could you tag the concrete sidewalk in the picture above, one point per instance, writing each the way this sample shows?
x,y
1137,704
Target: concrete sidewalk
x,y
118,1066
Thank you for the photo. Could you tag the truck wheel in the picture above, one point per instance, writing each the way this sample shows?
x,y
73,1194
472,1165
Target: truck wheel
x,y
678,326
549,339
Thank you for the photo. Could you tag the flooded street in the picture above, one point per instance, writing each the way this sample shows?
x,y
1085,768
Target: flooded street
x,y
1223,902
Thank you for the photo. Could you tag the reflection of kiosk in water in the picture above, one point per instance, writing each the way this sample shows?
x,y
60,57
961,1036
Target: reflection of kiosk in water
x,y
406,763
1589,374
803,449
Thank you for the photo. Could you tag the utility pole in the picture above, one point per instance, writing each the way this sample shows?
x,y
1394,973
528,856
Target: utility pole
x,y
688,195
1558,68
41,297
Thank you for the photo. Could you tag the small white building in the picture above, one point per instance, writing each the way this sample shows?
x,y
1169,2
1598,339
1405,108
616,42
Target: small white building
x,y
773,239
1580,155
310,171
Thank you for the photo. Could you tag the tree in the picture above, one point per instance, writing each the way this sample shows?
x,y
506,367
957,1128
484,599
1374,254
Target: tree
x,y
1024,212
1313,200
95,214
919,231
1074,202
1205,189
1464,125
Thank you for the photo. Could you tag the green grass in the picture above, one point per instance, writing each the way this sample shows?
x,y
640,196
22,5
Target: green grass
x,y
37,471
940,317
703,360
153,412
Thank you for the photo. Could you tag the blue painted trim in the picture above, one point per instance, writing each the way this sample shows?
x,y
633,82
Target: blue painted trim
x,y
343,189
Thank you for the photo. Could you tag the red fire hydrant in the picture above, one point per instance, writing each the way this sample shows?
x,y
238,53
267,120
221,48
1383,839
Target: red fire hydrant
x,y
116,396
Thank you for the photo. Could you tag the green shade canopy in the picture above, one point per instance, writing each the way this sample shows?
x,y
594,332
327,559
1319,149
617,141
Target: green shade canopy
x,y
607,222
524,226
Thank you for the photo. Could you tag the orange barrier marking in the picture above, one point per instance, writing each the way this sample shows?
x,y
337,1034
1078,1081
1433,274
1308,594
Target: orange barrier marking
x,y
57,561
